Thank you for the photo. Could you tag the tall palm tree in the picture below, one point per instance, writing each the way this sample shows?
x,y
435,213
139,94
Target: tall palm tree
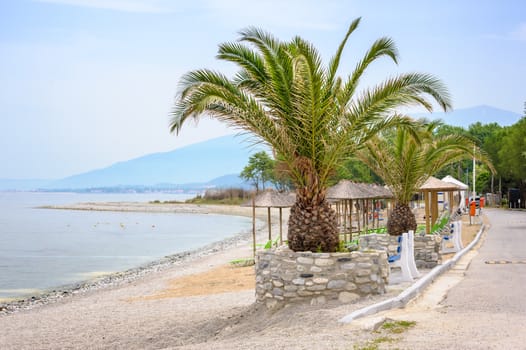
x,y
406,160
312,118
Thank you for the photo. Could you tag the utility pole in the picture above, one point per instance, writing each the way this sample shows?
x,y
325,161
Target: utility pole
x,y
474,191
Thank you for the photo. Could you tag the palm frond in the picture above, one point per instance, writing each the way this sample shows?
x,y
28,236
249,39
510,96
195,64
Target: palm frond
x,y
381,47
313,119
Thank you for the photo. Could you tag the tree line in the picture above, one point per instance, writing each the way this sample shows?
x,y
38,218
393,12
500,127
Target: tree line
x,y
505,147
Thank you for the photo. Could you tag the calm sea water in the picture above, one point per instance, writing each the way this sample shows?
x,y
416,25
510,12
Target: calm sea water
x,y
45,248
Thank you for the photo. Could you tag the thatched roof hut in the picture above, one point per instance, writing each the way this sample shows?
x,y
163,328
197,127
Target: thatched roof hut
x,y
431,188
270,199
346,191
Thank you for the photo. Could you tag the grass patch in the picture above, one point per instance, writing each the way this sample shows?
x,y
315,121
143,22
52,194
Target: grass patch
x,y
230,196
368,346
375,343
397,327
384,334
242,262
165,202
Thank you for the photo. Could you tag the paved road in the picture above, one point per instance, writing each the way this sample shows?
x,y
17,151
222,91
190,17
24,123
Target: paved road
x,y
487,308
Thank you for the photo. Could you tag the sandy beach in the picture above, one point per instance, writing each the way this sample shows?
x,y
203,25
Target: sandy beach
x,y
193,301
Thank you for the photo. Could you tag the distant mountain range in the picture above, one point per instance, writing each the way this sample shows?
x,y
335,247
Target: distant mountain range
x,y
212,163
464,117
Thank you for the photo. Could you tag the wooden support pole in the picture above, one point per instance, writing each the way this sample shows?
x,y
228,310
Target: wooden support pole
x,y
254,226
358,219
280,226
344,215
434,207
350,219
426,206
269,225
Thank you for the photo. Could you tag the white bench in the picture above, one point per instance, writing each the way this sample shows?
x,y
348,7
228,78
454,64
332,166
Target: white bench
x,y
405,257
454,237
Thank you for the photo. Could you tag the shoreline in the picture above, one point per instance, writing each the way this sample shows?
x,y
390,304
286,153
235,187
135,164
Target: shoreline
x,y
120,278
149,207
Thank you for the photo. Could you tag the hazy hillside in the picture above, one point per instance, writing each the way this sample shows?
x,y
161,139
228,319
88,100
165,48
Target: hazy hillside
x,y
197,163
466,116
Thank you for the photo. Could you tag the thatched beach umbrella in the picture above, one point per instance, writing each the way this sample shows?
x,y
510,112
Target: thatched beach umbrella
x,y
431,188
381,192
270,199
374,193
346,191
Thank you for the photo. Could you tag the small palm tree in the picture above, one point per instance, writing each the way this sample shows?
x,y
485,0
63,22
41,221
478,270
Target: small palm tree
x,y
406,160
313,119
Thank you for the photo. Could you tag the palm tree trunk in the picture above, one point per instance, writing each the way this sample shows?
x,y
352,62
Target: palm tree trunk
x,y
312,226
401,220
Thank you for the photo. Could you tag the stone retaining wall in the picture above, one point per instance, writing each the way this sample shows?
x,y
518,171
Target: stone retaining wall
x,y
284,276
427,247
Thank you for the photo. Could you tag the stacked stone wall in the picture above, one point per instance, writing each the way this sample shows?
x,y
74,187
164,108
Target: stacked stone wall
x,y
427,247
284,276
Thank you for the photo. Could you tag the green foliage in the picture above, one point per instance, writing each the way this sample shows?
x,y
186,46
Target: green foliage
x,y
504,146
483,179
242,262
280,177
405,160
230,196
378,230
342,247
270,243
440,224
372,345
165,202
421,228
398,327
385,334
258,170
348,246
445,129
490,138
511,153
357,171
483,132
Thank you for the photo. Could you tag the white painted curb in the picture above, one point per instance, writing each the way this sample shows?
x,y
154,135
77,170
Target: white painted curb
x,y
407,295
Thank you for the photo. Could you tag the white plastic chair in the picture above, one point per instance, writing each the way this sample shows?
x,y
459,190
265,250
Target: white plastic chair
x,y
404,259
455,237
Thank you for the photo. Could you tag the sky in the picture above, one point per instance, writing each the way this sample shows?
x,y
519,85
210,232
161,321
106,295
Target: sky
x,y
87,83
